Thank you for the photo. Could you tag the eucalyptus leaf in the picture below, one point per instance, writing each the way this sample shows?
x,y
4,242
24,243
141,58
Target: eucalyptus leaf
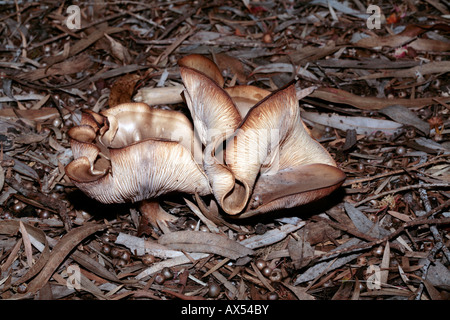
x,y
405,116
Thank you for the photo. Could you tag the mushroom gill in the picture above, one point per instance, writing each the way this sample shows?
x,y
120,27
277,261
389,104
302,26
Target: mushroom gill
x,y
132,152
269,160
248,147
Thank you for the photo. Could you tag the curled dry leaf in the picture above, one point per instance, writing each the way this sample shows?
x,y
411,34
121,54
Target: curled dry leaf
x,y
59,252
198,241
12,227
362,125
369,103
122,89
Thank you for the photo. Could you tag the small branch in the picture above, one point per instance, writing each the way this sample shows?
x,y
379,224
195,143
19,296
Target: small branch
x,y
414,186
388,237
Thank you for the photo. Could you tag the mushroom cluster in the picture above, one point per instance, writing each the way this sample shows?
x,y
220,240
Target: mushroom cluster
x,y
247,147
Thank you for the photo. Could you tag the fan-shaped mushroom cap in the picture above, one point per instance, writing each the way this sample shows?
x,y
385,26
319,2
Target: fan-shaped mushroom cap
x,y
203,65
270,143
258,154
212,109
246,96
133,152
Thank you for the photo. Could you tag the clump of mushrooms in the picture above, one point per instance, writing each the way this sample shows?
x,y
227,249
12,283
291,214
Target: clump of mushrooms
x,y
248,147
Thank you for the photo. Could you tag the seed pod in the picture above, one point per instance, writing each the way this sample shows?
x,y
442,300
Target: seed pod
x,y
378,251
276,275
272,296
44,214
261,264
167,273
115,252
401,150
159,278
148,259
106,249
267,271
22,288
126,255
213,290
191,224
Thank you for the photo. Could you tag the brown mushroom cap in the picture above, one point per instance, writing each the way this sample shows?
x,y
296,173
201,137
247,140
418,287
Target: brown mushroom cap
x,y
270,141
203,65
246,96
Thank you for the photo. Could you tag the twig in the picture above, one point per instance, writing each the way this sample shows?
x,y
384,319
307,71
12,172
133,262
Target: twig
x,y
386,238
405,188
391,173
425,268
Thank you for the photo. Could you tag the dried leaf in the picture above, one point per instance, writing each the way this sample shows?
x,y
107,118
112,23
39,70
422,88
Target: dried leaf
x,y
299,292
364,224
122,89
119,51
300,252
94,266
64,246
30,114
170,263
384,273
405,116
70,66
432,291
369,103
319,268
10,228
232,65
26,243
424,69
82,44
271,236
2,178
439,275
140,246
198,241
362,125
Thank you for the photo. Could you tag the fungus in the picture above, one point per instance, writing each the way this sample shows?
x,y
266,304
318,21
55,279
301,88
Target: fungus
x,y
270,161
132,152
248,147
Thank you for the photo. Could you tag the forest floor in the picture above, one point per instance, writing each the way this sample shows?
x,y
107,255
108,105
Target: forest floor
x,y
381,109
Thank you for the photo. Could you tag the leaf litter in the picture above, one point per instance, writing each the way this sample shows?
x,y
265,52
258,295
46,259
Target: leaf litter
x,y
381,108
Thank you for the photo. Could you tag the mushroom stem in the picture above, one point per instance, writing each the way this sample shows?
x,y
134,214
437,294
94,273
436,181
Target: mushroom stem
x,y
152,211
157,96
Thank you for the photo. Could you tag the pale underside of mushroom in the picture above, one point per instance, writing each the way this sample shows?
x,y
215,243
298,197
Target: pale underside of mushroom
x,y
133,152
247,147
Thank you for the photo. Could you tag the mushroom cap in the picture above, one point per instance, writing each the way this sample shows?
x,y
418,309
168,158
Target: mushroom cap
x,y
204,65
132,152
269,142
246,96
247,146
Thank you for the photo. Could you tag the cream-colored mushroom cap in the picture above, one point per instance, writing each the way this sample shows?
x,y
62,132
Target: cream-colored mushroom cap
x,y
132,152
